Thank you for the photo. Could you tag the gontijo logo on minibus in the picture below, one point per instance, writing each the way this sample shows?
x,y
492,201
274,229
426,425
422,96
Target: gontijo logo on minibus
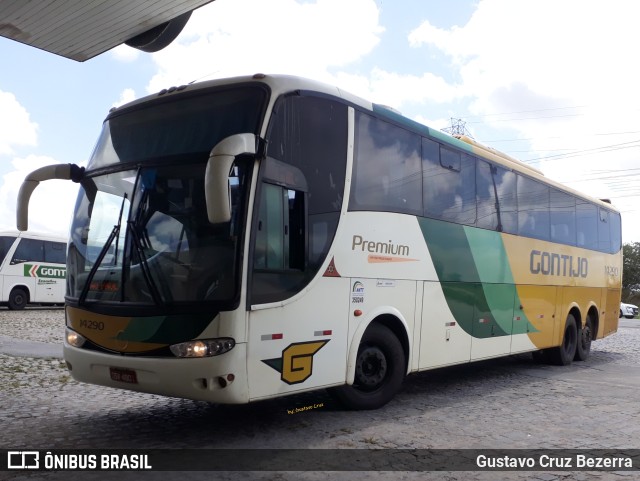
x,y
51,272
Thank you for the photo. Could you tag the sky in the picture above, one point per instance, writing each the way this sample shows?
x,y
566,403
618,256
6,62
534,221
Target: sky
x,y
552,83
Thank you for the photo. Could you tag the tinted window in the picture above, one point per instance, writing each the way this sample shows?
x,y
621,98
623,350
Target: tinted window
x,y
604,231
29,250
533,208
450,159
449,184
386,173
311,134
616,234
562,214
5,244
55,252
179,125
496,196
279,235
586,224
296,226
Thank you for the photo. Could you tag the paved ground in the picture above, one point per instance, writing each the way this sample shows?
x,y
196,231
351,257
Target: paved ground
x,y
507,403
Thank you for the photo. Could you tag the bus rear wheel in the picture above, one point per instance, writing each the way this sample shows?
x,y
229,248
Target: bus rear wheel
x,y
380,370
585,335
18,299
565,352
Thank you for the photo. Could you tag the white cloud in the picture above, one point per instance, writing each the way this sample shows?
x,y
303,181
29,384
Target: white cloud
x,y
396,90
126,54
564,50
16,128
240,37
51,203
567,68
126,96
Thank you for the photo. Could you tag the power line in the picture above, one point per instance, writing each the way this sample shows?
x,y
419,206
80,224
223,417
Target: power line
x,y
596,134
528,118
528,111
605,148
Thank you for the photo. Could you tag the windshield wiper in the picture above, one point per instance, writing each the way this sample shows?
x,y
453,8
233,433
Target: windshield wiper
x,y
105,248
144,265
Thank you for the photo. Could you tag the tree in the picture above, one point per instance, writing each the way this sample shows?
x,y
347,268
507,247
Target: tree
x,y
630,269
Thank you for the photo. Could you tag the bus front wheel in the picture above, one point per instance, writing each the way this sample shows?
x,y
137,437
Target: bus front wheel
x,y
380,370
18,299
565,352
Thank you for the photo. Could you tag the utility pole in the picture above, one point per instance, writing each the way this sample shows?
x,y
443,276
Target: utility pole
x,y
458,127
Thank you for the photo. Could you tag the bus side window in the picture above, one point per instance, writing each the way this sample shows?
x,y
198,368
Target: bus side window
x,y
586,224
29,250
533,208
496,194
616,234
310,133
449,184
5,244
563,217
386,170
604,231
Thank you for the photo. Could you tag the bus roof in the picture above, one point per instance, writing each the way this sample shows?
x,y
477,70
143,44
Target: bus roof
x,y
281,84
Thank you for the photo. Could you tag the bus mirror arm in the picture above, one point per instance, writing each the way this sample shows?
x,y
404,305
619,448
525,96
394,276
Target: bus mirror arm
x,y
216,177
57,171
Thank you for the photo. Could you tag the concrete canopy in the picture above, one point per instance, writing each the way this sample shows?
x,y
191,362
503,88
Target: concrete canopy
x,y
82,29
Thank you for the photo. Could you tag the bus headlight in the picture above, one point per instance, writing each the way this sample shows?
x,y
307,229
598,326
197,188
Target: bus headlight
x,y
73,338
203,347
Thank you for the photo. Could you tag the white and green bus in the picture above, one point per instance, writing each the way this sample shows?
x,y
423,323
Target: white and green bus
x,y
242,239
32,269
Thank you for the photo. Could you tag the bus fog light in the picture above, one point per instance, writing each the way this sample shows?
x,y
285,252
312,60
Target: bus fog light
x,y
74,339
203,347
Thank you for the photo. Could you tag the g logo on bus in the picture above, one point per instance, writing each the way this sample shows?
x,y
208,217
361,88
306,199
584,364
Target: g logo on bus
x,y
296,363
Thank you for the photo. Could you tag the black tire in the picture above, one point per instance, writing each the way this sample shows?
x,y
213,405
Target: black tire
x,y
563,354
585,336
380,370
18,299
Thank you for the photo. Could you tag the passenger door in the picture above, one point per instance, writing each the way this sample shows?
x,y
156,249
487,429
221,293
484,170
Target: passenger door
x,y
297,306
297,331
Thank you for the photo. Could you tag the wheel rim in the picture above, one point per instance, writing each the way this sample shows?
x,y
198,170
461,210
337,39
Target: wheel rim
x,y
586,337
18,299
371,368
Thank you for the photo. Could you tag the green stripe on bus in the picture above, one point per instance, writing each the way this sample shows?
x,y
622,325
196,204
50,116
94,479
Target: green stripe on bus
x,y
476,279
165,329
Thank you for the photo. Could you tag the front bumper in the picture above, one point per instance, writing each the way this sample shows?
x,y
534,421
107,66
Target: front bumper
x,y
219,379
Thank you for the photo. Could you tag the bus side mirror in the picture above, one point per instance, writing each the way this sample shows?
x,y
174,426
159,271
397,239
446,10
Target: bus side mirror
x,y
56,171
217,192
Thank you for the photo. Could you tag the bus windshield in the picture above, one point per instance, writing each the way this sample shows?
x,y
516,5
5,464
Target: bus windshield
x,y
143,236
141,233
